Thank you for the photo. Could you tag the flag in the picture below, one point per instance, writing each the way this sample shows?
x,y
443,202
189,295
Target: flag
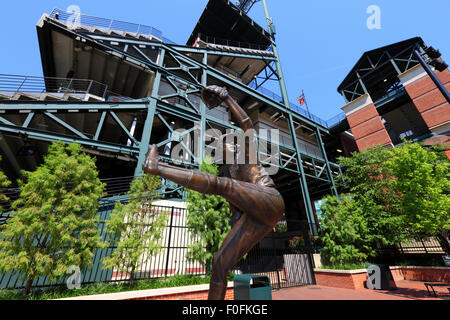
x,y
301,100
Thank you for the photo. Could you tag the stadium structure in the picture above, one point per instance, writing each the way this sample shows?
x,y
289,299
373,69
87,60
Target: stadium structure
x,y
399,91
117,87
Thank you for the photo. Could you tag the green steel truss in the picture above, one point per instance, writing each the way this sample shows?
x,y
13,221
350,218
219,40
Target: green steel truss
x,y
183,78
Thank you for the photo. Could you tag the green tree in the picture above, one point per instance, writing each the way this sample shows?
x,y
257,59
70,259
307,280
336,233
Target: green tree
x,y
422,183
136,227
208,220
369,184
345,235
4,183
403,192
54,220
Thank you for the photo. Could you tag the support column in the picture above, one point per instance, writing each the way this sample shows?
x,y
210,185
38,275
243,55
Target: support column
x,y
201,136
329,172
429,101
284,94
365,123
148,126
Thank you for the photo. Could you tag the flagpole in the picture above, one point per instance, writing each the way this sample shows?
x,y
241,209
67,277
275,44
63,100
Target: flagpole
x,y
307,108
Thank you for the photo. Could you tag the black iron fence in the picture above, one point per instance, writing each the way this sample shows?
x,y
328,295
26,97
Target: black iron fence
x,y
280,256
285,257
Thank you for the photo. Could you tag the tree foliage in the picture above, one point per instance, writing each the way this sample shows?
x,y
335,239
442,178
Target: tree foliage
x,y
54,220
136,227
345,234
208,220
422,183
369,184
4,183
396,194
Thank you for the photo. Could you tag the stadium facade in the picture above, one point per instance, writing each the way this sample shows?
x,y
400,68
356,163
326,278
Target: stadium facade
x,y
117,87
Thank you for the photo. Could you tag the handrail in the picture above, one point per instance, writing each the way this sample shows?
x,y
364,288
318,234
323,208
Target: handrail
x,y
336,119
294,107
233,43
34,84
20,83
107,25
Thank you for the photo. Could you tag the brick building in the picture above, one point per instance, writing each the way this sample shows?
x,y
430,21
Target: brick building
x,y
390,96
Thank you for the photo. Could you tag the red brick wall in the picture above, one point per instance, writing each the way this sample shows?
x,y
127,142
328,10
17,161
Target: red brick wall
x,y
199,295
367,128
426,274
357,280
429,101
341,280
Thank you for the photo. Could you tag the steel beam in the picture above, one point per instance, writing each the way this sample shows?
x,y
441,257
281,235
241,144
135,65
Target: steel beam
x,y
148,125
210,70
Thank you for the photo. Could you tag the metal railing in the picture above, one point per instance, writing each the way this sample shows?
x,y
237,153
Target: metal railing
x,y
106,25
336,119
13,84
298,109
18,83
293,106
233,43
268,257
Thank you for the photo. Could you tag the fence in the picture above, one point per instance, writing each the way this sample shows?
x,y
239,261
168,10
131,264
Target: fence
x,y
420,246
284,265
58,87
284,257
297,108
171,259
106,25
17,83
234,43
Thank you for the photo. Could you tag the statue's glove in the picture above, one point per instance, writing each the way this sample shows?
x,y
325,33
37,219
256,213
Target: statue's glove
x,y
213,96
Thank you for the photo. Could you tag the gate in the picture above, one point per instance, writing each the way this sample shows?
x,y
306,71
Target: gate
x,y
285,257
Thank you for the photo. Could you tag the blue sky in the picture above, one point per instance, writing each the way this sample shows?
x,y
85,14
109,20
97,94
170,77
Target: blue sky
x,y
319,41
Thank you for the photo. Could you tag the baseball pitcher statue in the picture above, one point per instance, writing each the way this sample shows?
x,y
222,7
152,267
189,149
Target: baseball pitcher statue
x,y
255,203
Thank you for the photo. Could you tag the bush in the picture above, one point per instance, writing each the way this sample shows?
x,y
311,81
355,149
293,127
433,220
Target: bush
x,y
345,235
54,222
208,220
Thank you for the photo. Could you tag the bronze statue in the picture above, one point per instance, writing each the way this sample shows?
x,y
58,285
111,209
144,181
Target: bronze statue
x,y
255,203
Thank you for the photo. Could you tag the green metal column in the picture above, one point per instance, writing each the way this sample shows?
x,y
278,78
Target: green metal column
x,y
279,70
148,126
327,164
284,94
201,143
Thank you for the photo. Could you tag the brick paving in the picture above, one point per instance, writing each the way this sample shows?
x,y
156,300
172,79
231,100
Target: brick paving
x,y
407,290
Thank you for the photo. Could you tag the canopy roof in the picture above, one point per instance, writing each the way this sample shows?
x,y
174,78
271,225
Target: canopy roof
x,y
222,19
375,59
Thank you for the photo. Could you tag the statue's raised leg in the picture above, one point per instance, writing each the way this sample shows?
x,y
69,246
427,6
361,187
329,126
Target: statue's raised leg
x,y
264,204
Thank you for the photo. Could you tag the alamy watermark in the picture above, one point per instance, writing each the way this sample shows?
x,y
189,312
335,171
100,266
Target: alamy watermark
x,y
229,147
74,21
374,20
73,281
374,280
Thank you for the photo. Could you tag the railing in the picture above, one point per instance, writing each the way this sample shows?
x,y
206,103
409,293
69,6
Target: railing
x,y
14,84
293,106
106,25
336,119
268,257
233,43
17,83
